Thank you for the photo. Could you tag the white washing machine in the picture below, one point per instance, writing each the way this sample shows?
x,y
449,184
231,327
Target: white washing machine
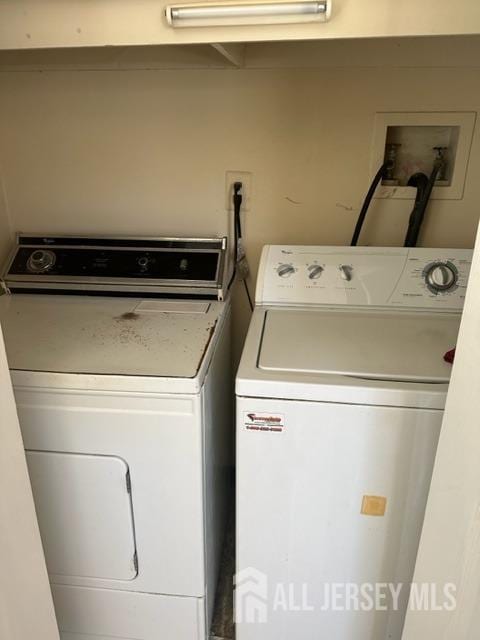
x,y
119,351
340,396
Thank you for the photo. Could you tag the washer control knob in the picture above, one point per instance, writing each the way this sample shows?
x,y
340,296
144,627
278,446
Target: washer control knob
x,y
346,272
441,276
314,271
285,270
143,262
41,260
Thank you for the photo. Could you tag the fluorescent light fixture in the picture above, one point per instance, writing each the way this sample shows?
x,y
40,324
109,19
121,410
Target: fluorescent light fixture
x,y
247,13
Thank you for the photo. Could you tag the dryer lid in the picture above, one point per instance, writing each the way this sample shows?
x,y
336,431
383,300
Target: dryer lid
x,y
402,347
108,336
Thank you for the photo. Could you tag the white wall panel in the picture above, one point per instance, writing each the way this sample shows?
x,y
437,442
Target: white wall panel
x,y
26,607
449,550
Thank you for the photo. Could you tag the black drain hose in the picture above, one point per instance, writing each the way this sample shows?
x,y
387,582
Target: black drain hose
x,y
424,191
366,203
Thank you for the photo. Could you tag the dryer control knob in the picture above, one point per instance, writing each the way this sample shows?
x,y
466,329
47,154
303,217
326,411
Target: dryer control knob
x,y
285,270
314,271
441,276
41,260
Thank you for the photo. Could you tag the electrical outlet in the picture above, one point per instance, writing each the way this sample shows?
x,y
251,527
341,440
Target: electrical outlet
x,y
245,177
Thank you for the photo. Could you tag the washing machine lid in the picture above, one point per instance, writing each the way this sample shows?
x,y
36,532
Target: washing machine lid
x,y
403,347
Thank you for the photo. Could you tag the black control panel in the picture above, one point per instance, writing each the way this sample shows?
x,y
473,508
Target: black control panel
x,y
116,263
82,263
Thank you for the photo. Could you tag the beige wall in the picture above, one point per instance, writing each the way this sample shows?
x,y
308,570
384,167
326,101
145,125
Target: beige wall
x,y
145,152
5,225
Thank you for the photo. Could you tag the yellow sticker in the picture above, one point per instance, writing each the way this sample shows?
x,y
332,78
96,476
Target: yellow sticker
x,y
374,505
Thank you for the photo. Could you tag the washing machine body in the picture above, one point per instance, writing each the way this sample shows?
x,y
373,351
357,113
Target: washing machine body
x,y
340,397
123,394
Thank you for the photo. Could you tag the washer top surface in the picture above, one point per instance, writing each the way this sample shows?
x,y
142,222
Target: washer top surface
x,y
376,345
107,336
355,325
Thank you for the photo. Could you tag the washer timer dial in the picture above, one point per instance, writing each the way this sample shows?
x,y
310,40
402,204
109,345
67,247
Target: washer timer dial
x,y
440,276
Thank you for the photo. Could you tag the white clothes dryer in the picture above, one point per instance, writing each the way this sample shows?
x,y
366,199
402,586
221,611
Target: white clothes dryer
x,y
119,350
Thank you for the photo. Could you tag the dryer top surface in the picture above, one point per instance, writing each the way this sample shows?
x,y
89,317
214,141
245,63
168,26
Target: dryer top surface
x,y
108,336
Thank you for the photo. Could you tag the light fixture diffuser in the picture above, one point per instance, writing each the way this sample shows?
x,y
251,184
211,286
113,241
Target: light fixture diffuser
x,y
247,13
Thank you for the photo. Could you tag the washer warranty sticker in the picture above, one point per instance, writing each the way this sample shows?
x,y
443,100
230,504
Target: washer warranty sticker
x,y
263,421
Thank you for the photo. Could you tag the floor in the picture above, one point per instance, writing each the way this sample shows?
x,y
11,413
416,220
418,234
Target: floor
x,y
222,625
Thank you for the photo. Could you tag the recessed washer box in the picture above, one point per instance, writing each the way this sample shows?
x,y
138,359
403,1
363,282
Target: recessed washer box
x,y
417,134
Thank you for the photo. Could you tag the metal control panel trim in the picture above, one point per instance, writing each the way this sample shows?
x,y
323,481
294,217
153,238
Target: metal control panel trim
x,y
114,264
